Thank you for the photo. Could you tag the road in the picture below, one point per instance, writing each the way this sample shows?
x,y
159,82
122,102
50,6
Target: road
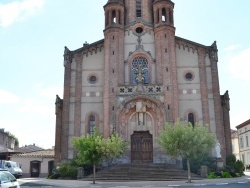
x,y
44,183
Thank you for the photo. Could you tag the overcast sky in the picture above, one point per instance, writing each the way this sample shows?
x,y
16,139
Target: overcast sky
x,y
33,34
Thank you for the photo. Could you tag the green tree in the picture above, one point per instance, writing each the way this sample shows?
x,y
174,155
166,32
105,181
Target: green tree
x,y
92,149
186,141
16,139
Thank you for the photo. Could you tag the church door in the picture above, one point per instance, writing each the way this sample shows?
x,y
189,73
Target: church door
x,y
141,147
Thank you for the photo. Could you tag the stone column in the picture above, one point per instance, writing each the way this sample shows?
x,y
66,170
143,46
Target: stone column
x,y
203,85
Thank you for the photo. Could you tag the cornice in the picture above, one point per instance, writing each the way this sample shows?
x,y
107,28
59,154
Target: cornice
x,y
158,1
90,48
243,124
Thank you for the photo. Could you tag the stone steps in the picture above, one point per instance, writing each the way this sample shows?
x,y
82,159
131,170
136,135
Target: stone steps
x,y
147,172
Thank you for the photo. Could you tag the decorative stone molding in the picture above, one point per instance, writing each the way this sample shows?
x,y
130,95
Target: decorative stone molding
x,y
189,91
67,56
59,104
148,89
182,44
213,52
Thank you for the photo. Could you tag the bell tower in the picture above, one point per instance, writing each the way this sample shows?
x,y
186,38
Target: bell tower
x,y
139,9
165,54
113,60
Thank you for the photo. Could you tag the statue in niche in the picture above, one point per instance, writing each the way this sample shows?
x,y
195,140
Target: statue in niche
x,y
140,71
218,149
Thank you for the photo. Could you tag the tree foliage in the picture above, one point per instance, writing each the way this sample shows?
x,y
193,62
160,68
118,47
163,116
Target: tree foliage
x,y
93,149
186,141
16,139
235,166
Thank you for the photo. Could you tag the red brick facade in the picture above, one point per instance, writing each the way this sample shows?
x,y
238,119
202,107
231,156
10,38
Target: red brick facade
x,y
139,44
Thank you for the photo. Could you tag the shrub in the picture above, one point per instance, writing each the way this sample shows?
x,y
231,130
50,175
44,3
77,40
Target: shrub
x,y
195,166
226,175
68,171
239,167
54,175
212,175
233,166
230,160
238,175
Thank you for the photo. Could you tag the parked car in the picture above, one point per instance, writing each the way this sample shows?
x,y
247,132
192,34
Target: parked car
x,y
12,166
7,180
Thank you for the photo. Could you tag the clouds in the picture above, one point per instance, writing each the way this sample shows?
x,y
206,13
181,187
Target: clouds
x,y
7,97
31,113
231,47
18,11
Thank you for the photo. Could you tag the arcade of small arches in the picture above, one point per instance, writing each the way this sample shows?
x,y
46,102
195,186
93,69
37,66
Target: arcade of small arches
x,y
114,16
162,14
141,118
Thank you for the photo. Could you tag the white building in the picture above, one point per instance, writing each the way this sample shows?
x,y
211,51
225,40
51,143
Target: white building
x,y
244,142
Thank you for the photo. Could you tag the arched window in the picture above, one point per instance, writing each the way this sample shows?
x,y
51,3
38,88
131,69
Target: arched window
x,y
91,124
120,17
164,14
107,18
191,118
114,16
140,66
157,16
138,8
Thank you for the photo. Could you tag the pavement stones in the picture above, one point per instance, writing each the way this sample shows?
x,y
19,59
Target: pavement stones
x,y
134,184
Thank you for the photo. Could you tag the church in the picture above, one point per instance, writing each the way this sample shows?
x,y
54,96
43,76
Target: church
x,y
140,76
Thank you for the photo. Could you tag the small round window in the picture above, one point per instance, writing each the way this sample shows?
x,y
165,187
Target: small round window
x,y
189,76
92,79
139,30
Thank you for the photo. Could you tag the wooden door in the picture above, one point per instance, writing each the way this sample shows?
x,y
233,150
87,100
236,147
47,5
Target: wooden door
x,y
35,168
141,147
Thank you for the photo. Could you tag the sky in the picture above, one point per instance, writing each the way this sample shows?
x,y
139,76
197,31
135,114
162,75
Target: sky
x,y
33,34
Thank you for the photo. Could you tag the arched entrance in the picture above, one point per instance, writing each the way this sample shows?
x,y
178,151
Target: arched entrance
x,y
140,118
35,167
141,147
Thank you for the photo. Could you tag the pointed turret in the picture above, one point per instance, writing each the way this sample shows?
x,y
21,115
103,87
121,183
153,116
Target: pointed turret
x,y
114,13
163,12
113,59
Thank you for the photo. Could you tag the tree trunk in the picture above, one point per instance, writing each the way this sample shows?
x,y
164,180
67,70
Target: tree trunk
x,y
94,174
189,173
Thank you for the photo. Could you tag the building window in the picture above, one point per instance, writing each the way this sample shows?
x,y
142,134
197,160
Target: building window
x,y
92,79
141,118
139,69
139,30
114,16
163,15
191,118
189,76
138,8
247,144
91,124
241,143
243,158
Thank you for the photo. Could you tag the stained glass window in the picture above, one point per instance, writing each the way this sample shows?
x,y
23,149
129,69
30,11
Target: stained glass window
x,y
137,63
91,124
191,118
138,8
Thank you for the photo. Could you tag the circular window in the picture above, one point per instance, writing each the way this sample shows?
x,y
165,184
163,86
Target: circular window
x,y
92,79
189,76
139,30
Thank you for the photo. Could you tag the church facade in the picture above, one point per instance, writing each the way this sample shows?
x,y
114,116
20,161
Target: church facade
x,y
140,76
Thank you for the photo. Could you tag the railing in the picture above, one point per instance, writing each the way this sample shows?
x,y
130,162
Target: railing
x,y
147,89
